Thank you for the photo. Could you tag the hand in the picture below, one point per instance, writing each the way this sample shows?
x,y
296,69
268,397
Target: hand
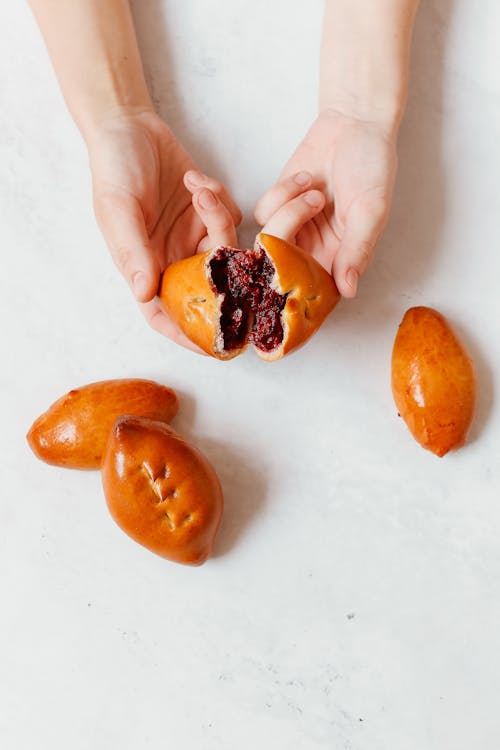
x,y
334,195
153,206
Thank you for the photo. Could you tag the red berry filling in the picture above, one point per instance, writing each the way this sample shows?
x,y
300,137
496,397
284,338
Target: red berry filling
x,y
250,309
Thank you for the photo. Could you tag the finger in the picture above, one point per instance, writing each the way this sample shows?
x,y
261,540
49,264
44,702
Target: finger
x,y
317,241
205,244
216,218
121,221
290,218
194,180
363,226
159,321
281,192
184,237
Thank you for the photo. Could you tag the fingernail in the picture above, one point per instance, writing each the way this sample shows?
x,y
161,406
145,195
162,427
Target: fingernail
x,y
195,178
139,284
313,199
351,278
207,199
302,178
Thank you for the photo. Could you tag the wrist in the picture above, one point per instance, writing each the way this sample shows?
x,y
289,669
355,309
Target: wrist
x,y
94,120
368,86
384,112
116,93
365,59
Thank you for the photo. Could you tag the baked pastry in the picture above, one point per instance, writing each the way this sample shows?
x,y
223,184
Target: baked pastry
x,y
273,297
74,431
433,381
161,490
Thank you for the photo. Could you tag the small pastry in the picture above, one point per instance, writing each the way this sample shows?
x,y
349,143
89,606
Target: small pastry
x,y
74,431
273,297
161,490
433,381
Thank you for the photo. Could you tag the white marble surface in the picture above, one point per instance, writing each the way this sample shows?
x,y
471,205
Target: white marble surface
x,y
354,598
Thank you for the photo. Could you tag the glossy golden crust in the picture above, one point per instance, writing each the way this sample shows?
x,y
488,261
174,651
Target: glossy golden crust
x,y
189,298
311,293
161,490
433,381
74,431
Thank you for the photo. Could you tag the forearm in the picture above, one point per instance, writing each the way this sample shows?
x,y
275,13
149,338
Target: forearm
x,y
93,48
365,57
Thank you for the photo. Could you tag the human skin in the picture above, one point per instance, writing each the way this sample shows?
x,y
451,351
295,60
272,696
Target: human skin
x,y
153,204
140,172
349,152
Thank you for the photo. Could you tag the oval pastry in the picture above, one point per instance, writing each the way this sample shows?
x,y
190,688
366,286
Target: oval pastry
x,y
74,431
433,381
161,490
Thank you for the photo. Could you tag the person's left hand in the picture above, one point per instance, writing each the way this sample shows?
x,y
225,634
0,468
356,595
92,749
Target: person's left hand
x,y
333,196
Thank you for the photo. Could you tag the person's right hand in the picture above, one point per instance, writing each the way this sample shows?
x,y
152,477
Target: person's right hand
x,y
153,206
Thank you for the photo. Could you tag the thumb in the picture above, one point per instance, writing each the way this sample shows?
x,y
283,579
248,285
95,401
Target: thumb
x,y
364,224
122,224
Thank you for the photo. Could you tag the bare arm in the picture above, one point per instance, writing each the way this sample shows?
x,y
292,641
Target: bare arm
x,y
364,58
93,48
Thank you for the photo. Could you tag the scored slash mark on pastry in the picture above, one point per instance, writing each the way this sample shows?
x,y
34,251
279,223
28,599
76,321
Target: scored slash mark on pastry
x,y
172,522
307,314
160,483
169,520
162,488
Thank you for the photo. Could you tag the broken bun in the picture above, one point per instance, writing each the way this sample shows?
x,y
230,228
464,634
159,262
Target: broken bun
x,y
273,297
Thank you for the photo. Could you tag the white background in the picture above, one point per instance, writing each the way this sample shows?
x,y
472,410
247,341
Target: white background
x,y
354,597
